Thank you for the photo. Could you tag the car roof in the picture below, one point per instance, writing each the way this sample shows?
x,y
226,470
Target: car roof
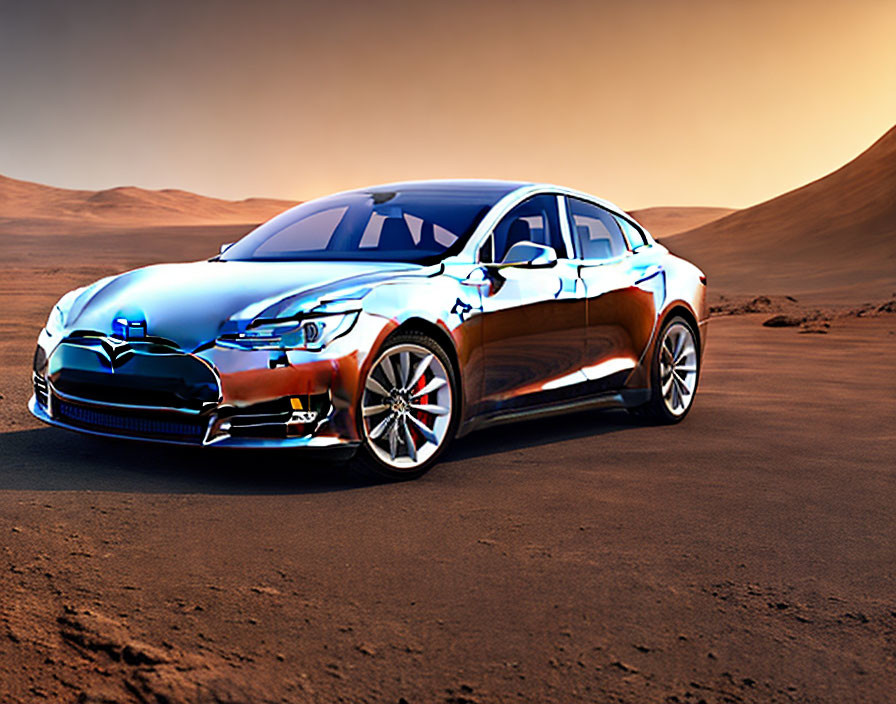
x,y
493,187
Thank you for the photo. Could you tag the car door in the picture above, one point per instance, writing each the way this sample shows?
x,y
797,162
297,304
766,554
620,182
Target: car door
x,y
533,319
620,294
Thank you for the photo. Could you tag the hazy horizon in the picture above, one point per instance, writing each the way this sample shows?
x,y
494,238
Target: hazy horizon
x,y
644,103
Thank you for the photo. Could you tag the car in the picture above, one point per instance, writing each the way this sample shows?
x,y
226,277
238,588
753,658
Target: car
x,y
383,323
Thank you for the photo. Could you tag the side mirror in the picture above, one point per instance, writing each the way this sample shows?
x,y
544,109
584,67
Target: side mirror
x,y
225,247
529,255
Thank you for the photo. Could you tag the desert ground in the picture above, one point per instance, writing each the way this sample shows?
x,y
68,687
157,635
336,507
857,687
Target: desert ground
x,y
746,555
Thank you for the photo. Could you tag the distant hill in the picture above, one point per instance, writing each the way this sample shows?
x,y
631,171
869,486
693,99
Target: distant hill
x,y
833,239
33,207
666,221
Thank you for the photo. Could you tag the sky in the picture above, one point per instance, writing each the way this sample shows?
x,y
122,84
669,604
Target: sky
x,y
642,102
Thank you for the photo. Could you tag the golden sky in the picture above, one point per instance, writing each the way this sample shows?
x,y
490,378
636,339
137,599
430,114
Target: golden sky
x,y
643,103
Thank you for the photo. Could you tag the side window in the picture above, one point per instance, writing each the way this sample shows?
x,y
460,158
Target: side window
x,y
633,234
533,220
597,231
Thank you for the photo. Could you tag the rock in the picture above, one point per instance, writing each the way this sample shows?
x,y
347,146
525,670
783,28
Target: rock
x,y
759,304
782,321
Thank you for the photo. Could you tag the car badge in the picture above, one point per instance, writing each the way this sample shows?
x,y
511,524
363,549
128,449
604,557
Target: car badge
x,y
116,351
125,329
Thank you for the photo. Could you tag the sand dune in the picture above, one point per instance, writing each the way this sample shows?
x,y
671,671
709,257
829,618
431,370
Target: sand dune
x,y
666,221
33,207
832,241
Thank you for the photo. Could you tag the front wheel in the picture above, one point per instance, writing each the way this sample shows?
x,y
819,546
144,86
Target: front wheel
x,y
408,408
674,373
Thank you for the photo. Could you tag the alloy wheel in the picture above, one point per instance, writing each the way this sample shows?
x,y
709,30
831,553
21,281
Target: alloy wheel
x,y
406,406
678,368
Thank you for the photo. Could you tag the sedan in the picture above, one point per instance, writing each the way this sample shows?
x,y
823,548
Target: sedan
x,y
382,324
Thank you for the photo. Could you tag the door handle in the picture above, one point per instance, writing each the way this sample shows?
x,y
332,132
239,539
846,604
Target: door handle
x,y
477,278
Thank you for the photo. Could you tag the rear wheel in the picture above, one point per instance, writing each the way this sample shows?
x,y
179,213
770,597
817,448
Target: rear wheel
x,y
674,373
408,409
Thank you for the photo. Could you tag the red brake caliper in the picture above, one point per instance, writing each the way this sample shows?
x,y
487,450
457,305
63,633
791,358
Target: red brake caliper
x,y
419,415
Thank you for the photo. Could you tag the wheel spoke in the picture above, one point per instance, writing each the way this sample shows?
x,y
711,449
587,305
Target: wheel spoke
x,y
389,371
409,440
678,345
426,432
404,360
418,372
430,408
667,353
434,383
686,351
381,427
667,384
376,386
393,440
375,410
681,386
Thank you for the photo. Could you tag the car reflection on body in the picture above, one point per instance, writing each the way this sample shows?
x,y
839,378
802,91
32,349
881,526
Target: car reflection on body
x,y
384,322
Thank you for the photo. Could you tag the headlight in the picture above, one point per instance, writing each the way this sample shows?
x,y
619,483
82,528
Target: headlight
x,y
306,333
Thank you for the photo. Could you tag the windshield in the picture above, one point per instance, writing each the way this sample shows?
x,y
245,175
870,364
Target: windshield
x,y
420,223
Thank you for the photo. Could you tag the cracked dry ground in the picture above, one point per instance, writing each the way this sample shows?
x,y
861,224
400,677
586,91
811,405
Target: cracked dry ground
x,y
744,556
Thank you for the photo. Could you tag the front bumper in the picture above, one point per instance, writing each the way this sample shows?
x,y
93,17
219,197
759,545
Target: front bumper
x,y
221,440
220,396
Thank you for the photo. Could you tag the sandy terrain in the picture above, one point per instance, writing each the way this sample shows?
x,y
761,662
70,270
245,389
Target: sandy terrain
x,y
831,241
581,559
36,208
746,555
664,222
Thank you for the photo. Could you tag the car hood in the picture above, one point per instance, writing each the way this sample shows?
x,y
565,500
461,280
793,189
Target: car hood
x,y
188,303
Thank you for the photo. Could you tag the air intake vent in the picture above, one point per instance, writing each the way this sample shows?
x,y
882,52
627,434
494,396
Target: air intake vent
x,y
40,389
127,424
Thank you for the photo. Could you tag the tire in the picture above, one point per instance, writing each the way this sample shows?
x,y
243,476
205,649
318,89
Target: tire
x,y
674,373
408,409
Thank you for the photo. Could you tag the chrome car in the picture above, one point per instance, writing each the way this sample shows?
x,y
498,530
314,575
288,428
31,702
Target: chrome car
x,y
384,321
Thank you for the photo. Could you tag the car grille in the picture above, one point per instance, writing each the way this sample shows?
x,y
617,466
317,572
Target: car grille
x,y
132,374
142,425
